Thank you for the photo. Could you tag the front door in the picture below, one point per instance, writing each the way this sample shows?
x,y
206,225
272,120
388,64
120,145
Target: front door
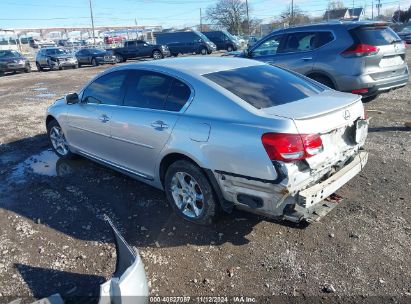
x,y
89,122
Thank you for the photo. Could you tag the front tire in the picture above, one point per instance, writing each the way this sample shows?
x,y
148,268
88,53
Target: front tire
x,y
39,68
190,193
27,69
58,140
157,55
119,58
94,62
230,48
203,51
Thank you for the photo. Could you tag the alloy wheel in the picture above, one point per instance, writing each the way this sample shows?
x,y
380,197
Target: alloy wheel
x,y
187,194
58,140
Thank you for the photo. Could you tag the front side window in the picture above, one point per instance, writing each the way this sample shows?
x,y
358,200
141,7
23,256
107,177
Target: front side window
x,y
299,42
268,47
106,90
264,86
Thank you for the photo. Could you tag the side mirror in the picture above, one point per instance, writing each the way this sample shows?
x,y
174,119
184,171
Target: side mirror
x,y
72,98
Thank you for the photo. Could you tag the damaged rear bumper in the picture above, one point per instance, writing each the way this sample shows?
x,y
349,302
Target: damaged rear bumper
x,y
310,202
274,199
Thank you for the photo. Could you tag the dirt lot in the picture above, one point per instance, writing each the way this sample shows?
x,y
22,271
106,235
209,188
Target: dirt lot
x,y
53,238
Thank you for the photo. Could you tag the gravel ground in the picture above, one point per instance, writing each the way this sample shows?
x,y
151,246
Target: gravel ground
x,y
53,238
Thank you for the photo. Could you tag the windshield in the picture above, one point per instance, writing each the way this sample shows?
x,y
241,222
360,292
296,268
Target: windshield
x,y
375,35
56,52
4,54
229,35
264,86
202,36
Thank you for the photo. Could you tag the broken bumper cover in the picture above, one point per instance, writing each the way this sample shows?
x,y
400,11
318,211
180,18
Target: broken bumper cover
x,y
310,202
128,283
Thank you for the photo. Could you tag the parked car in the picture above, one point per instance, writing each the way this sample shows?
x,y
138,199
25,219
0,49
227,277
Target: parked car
x,y
364,57
55,58
113,39
13,61
139,49
223,40
186,42
35,43
93,41
61,42
94,57
405,34
217,132
251,41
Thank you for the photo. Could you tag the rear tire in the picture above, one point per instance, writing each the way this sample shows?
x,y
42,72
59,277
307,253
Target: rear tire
x,y
323,80
190,193
369,98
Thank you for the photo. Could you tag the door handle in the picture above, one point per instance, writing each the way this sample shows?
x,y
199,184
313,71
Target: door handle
x,y
159,125
104,118
307,58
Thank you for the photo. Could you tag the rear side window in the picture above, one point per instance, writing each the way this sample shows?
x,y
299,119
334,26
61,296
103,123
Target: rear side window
x,y
264,86
149,90
178,96
324,38
299,42
106,90
374,35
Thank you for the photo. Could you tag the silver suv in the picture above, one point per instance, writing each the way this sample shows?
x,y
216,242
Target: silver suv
x,y
55,58
364,58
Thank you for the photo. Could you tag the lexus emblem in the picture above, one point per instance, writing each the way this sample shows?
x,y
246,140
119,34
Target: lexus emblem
x,y
346,115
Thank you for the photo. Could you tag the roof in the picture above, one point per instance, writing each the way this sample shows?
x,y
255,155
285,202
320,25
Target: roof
x,y
355,12
335,14
197,66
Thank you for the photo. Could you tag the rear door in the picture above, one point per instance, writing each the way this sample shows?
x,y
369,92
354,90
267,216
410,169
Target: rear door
x,y
141,127
89,121
390,60
297,52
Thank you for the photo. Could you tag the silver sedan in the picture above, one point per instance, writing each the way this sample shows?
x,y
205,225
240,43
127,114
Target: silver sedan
x,y
217,133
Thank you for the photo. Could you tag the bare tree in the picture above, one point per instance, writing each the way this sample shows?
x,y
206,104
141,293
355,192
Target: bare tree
x,y
335,4
230,14
295,16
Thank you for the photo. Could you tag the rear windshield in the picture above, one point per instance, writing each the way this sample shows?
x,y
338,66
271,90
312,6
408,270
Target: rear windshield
x,y
265,86
375,35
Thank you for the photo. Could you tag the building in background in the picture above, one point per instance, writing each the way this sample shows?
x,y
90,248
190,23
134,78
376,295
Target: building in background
x,y
352,14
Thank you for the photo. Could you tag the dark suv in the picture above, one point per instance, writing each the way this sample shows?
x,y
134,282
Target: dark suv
x,y
364,58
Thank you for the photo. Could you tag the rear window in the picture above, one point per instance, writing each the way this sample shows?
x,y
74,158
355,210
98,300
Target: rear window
x,y
265,86
374,35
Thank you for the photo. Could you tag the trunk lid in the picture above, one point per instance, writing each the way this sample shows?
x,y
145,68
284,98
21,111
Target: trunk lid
x,y
331,114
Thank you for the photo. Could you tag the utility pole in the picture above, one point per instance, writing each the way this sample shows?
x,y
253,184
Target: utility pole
x,y
201,21
248,18
292,12
92,22
378,8
372,10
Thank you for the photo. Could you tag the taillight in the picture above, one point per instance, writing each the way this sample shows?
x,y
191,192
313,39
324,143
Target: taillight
x,y
360,50
360,91
290,147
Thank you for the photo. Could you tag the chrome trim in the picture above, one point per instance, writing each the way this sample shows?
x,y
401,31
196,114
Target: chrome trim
x,y
132,142
111,164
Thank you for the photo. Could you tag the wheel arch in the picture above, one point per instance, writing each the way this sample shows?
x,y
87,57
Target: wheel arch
x,y
314,73
175,156
49,119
